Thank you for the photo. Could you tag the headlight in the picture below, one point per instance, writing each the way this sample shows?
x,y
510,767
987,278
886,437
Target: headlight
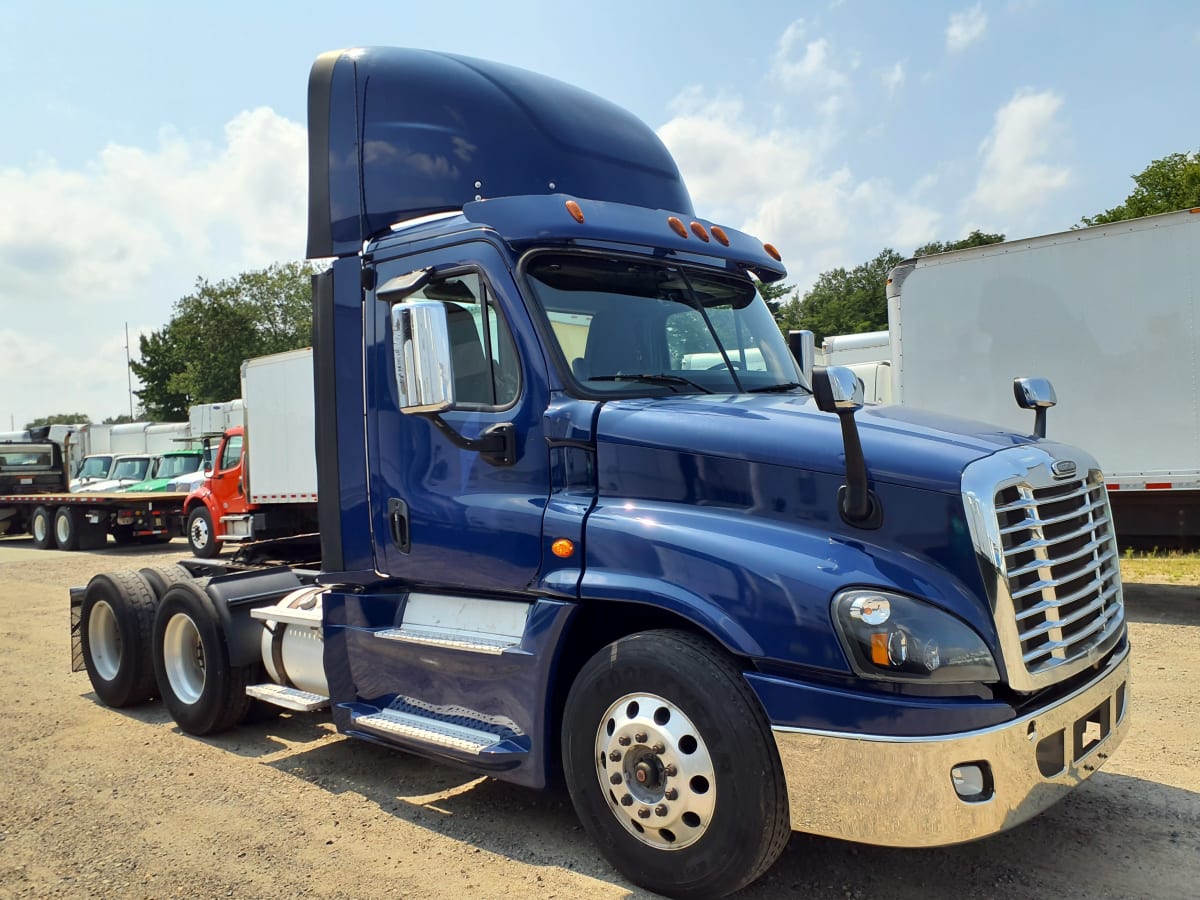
x,y
898,638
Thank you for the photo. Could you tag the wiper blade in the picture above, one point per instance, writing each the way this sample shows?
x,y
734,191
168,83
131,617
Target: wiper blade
x,y
775,388
661,378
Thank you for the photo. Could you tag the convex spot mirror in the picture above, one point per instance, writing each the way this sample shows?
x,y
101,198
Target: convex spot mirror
x,y
1034,393
421,347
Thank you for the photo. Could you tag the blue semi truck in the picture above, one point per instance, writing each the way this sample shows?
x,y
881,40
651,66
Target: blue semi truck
x,y
585,514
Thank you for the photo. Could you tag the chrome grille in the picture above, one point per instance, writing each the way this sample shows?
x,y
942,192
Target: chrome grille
x,y
1061,563
1050,562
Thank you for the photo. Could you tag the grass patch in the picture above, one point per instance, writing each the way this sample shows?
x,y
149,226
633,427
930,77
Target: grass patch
x,y
1160,566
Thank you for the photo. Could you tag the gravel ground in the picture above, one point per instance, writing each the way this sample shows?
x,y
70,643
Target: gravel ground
x,y
96,802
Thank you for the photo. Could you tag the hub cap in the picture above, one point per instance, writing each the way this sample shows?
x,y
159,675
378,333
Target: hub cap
x,y
656,770
183,658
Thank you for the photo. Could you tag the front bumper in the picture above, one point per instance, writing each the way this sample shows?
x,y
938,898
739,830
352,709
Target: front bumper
x,y
899,792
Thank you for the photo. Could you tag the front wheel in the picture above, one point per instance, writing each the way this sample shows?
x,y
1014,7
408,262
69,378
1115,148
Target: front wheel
x,y
200,534
671,766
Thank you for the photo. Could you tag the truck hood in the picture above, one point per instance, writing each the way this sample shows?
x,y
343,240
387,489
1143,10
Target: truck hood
x,y
901,446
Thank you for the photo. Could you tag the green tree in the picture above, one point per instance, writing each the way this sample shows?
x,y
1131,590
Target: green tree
x,y
1166,185
976,238
846,302
197,356
59,419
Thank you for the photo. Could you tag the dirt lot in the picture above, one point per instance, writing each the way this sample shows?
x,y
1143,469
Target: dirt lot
x,y
102,803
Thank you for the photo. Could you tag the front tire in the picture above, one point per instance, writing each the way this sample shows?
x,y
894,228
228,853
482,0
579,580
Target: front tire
x,y
115,623
671,766
202,691
201,537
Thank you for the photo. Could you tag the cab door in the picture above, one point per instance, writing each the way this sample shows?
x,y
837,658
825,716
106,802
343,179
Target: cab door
x,y
443,516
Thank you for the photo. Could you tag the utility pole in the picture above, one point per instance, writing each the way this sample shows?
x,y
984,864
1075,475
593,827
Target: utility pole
x,y
128,372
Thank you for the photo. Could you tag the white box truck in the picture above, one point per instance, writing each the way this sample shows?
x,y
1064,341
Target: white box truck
x,y
1110,314
868,355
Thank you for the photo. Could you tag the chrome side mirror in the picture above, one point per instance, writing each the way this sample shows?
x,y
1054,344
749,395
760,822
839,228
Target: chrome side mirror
x,y
837,389
421,349
1036,394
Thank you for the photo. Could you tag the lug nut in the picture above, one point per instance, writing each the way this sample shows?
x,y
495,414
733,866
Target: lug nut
x,y
671,794
627,800
623,740
644,812
615,756
615,778
660,810
671,771
659,749
640,737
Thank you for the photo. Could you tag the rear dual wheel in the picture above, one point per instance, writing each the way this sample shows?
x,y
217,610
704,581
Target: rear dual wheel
x,y
671,766
116,622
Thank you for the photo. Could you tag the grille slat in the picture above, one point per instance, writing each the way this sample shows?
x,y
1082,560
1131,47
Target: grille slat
x,y
1060,568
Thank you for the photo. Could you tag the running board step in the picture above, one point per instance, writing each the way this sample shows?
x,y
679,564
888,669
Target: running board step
x,y
470,642
428,731
287,697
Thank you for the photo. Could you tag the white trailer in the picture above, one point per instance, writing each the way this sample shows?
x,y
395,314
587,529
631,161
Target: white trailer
x,y
281,456
1110,314
868,355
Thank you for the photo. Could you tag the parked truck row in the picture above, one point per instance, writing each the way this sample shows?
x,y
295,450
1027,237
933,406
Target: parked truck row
x,y
584,514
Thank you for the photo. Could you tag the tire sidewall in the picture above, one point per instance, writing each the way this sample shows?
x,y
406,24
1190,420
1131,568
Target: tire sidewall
x,y
203,716
701,690
46,517
131,684
212,546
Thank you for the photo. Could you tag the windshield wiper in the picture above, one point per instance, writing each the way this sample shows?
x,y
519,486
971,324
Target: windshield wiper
x,y
670,380
775,388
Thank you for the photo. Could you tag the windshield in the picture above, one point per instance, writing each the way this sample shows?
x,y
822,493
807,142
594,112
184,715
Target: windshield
x,y
133,468
174,466
94,467
632,327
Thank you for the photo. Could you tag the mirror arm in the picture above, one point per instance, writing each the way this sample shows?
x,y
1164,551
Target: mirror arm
x,y
497,444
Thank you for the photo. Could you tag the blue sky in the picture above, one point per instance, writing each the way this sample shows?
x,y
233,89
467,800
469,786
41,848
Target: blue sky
x,y
146,145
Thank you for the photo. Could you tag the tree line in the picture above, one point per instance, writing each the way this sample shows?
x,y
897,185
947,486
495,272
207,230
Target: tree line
x,y
196,357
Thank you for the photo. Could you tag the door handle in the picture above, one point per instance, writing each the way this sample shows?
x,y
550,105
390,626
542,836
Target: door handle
x,y
397,511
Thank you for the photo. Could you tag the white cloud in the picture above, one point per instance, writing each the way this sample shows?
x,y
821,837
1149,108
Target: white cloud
x,y
806,65
82,251
893,79
1017,174
966,28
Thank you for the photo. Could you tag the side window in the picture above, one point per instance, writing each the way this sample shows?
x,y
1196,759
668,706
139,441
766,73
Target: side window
x,y
233,452
486,369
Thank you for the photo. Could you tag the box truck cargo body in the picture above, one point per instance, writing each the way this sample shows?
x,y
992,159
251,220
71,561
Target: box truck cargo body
x,y
1108,314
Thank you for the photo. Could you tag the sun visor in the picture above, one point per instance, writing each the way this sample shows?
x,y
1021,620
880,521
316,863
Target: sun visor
x,y
397,133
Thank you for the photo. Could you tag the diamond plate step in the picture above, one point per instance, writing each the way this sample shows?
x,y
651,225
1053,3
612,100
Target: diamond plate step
x,y
429,731
287,697
456,640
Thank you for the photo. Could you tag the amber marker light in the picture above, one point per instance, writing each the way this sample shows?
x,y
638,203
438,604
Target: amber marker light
x,y
562,548
575,211
772,252
719,233
700,231
879,648
677,226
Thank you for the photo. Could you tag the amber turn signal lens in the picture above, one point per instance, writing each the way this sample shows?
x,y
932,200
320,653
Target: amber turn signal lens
x,y
719,233
575,211
677,226
879,648
562,548
772,252
700,231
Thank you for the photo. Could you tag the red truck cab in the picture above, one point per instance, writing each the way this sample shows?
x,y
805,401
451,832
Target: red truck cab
x,y
221,494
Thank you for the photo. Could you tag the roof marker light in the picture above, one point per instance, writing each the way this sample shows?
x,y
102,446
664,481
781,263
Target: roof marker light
x,y
772,252
719,233
700,231
575,211
677,226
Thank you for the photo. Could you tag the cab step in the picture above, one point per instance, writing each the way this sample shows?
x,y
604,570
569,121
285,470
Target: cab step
x,y
468,642
422,729
287,697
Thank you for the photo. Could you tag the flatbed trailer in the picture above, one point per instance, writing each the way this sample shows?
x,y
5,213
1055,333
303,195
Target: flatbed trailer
x,y
83,521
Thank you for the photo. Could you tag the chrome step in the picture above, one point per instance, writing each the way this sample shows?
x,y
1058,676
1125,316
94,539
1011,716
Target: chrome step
x,y
429,731
470,642
287,697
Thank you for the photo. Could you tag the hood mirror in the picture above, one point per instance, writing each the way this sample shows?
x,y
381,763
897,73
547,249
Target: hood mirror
x,y
1036,394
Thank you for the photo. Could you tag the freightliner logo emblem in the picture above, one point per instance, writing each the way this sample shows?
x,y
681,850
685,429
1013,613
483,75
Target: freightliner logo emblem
x,y
1063,468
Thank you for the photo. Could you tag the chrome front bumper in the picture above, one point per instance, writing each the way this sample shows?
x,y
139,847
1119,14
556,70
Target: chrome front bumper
x,y
898,792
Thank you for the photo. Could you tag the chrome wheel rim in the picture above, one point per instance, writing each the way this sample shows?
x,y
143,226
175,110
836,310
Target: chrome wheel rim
x,y
104,641
200,535
183,658
62,529
656,771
